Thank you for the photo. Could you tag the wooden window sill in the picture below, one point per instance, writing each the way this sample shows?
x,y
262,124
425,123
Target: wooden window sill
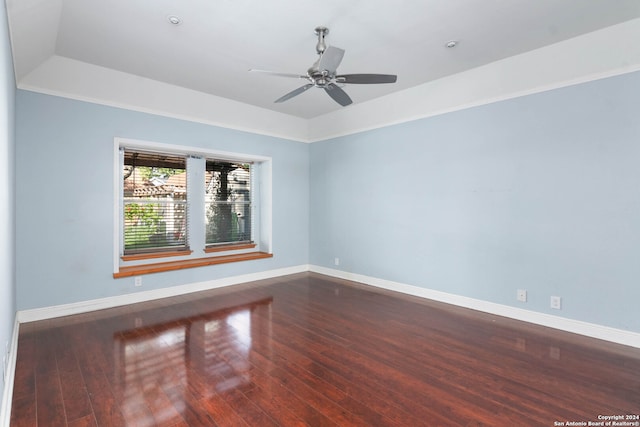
x,y
136,270
223,248
166,254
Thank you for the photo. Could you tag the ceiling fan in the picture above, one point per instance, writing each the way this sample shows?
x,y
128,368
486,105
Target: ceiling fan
x,y
322,74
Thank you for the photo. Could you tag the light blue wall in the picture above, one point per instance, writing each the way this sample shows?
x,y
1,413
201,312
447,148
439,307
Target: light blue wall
x,y
7,188
65,196
540,192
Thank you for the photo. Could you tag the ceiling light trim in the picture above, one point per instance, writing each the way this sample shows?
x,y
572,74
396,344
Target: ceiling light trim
x,y
174,20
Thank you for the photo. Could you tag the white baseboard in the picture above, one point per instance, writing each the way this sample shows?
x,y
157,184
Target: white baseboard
x,y
7,394
36,314
562,323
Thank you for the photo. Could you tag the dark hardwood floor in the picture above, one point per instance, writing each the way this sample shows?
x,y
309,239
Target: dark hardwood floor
x,y
311,350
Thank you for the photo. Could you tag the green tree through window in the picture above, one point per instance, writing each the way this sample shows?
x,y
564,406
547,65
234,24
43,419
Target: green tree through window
x,y
228,202
155,202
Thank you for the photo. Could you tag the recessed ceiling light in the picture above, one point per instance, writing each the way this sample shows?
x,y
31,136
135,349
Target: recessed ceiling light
x,y
174,20
451,43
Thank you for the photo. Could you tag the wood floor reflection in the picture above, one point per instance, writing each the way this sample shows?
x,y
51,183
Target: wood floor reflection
x,y
309,350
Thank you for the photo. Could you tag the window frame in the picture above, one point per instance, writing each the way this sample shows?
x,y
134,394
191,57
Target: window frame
x,y
261,196
219,246
155,251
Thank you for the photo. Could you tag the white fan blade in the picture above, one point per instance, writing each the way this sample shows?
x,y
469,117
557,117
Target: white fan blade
x,y
330,59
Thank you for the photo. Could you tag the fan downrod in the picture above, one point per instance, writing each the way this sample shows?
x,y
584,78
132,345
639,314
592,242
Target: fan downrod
x,y
321,32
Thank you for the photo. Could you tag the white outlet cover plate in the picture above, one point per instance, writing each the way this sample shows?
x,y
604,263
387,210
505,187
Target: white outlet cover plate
x,y
522,295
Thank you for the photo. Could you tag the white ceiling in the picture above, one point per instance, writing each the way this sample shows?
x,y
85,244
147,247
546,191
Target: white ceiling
x,y
219,40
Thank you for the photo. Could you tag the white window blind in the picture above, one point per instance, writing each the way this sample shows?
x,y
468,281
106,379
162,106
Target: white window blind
x,y
154,202
228,211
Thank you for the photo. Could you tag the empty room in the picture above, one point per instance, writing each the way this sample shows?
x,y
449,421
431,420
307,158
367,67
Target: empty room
x,y
292,213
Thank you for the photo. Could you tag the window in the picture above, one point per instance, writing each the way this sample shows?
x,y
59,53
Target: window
x,y
228,213
178,204
154,202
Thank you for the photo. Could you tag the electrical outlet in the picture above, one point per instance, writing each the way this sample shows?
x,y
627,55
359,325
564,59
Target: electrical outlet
x,y
336,261
522,295
556,303
137,281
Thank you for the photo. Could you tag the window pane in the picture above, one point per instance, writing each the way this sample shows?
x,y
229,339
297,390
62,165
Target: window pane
x,y
155,202
227,202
